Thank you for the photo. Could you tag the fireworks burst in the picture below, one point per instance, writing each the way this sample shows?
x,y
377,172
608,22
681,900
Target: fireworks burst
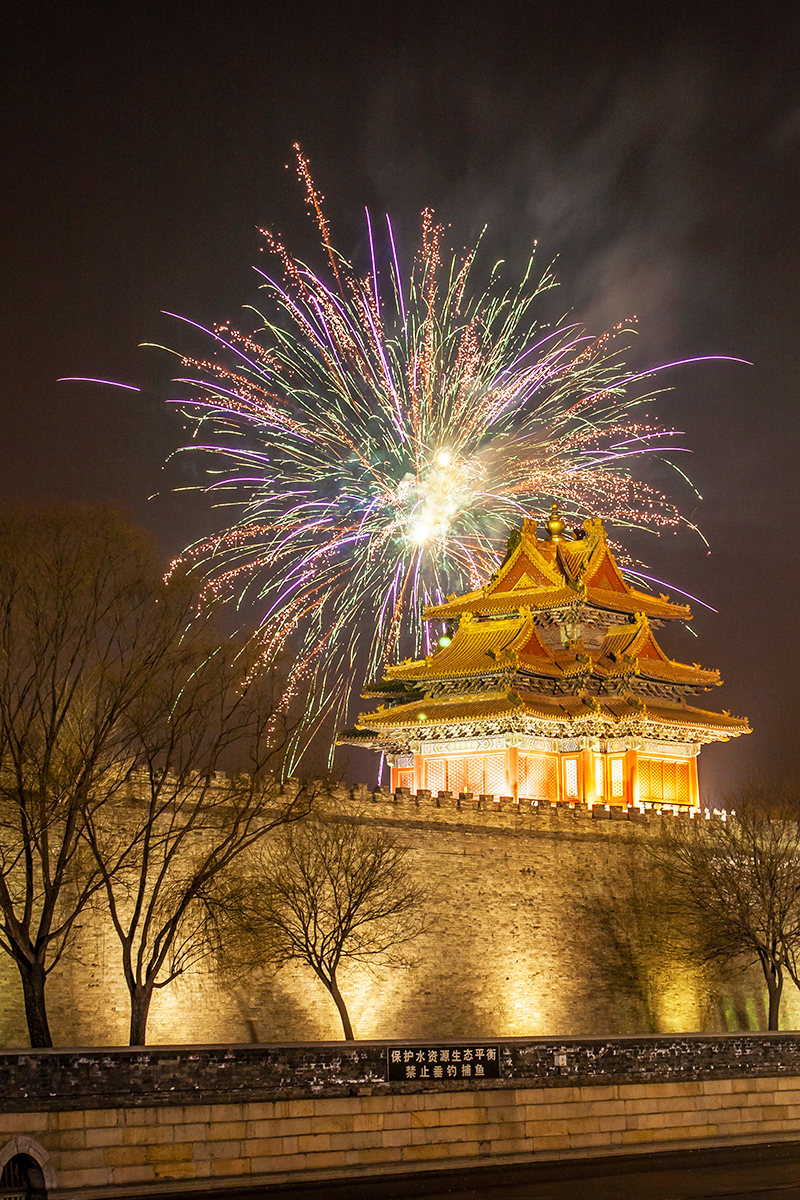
x,y
377,435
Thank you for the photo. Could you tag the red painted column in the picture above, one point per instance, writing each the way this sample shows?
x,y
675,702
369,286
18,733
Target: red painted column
x,y
512,772
586,778
632,777
694,781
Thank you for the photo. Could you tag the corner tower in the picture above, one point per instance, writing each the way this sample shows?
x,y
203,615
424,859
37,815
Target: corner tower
x,y
549,686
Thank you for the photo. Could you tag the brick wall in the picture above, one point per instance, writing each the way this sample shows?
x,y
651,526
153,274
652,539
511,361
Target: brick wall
x,y
517,948
254,1114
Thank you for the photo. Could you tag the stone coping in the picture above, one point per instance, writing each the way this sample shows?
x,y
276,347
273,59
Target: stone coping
x,y
485,803
97,1078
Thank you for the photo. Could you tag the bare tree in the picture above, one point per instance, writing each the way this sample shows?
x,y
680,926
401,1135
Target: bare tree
x,y
737,880
85,625
329,890
161,847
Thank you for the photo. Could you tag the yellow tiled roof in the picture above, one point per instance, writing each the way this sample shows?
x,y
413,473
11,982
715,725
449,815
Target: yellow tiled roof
x,y
481,647
484,602
450,709
686,716
544,574
476,645
636,601
571,711
439,711
632,650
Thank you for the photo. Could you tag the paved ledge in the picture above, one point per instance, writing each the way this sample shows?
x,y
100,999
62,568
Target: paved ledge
x,y
172,1140
62,1080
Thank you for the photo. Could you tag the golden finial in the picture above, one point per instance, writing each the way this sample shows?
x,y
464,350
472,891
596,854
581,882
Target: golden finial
x,y
554,525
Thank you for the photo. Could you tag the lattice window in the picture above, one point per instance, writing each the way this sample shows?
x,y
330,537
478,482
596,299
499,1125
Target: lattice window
x,y
617,779
405,779
457,775
668,780
537,777
599,779
523,787
548,771
436,774
475,774
664,781
495,774
571,778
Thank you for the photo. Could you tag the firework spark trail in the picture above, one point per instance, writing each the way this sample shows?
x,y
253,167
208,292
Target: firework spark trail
x,y
377,436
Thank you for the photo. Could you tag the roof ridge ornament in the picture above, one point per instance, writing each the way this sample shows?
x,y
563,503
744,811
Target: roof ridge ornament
x,y
514,540
595,529
554,525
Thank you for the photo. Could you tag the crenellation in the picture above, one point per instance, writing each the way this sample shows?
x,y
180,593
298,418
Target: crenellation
x,y
527,808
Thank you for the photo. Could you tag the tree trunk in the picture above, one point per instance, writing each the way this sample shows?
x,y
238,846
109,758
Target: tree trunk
x,y
33,980
342,1007
141,995
774,988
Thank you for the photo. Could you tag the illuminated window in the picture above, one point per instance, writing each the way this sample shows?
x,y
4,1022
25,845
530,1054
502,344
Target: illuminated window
x,y
617,779
668,781
475,775
538,776
599,784
457,775
664,781
495,774
405,779
547,769
571,778
435,774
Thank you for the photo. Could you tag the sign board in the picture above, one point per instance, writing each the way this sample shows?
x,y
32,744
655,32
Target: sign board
x,y
472,1060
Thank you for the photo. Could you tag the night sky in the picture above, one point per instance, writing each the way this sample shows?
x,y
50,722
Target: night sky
x,y
656,153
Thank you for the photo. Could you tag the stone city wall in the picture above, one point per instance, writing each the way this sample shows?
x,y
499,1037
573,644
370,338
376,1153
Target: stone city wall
x,y
536,929
99,1123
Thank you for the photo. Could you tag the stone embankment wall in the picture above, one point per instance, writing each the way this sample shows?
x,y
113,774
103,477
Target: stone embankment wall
x,y
99,1123
538,926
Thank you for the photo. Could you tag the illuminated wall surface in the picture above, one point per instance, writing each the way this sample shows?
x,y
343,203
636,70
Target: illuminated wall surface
x,y
535,930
